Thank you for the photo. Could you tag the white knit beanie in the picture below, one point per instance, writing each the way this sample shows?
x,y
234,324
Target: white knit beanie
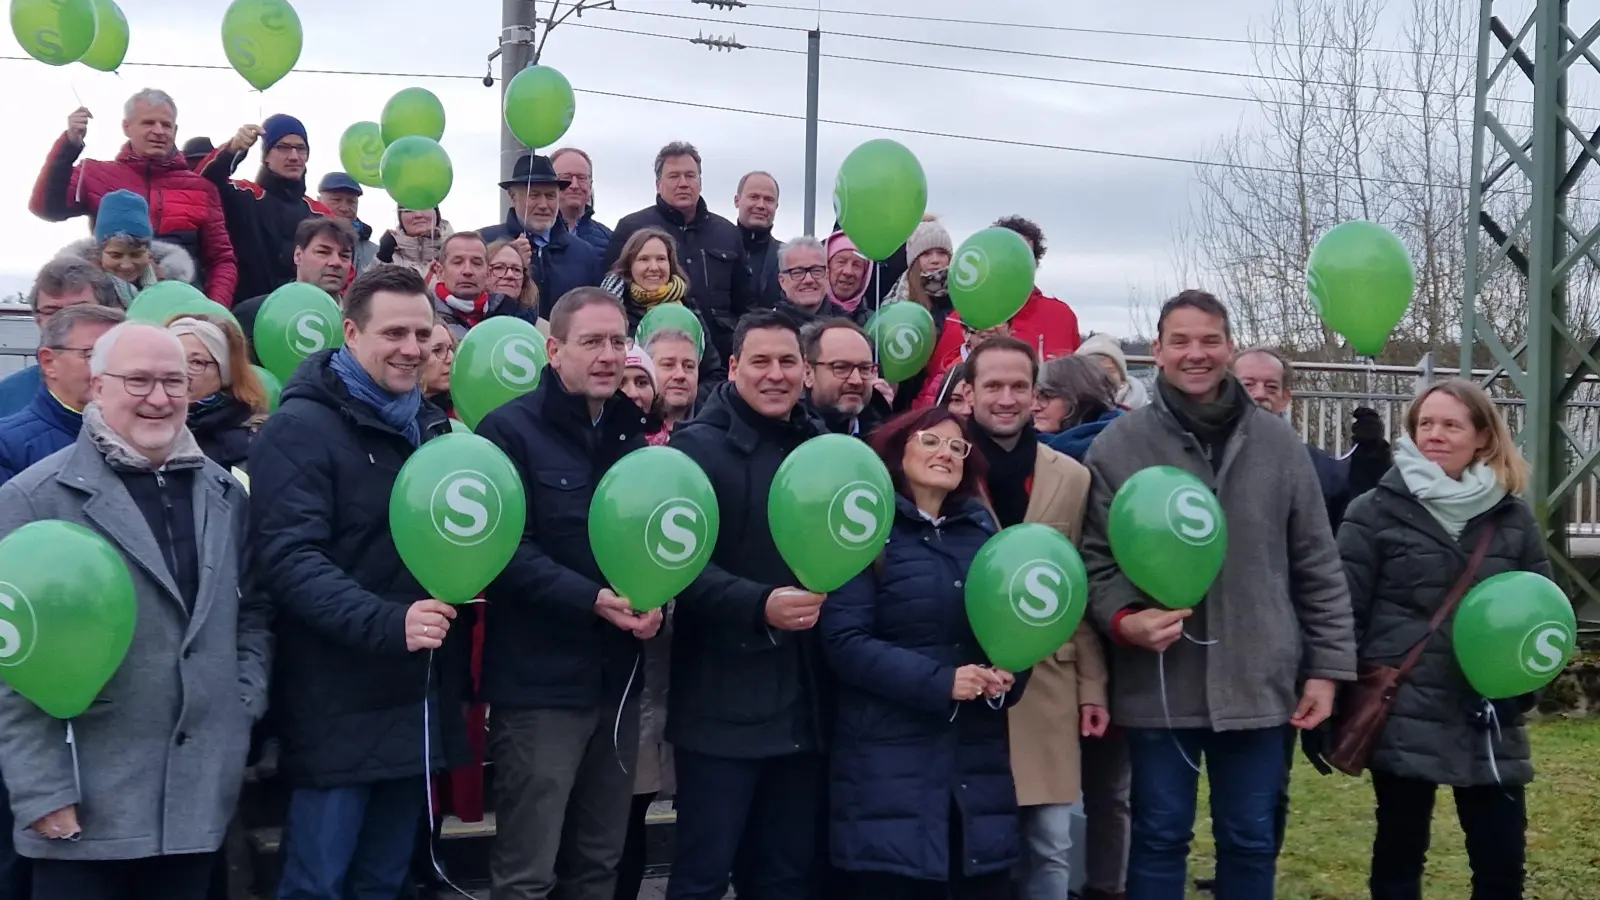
x,y
928,236
214,340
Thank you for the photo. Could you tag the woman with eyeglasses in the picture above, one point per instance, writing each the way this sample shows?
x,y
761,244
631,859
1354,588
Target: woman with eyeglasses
x,y
227,402
648,274
509,275
921,798
1074,402
436,367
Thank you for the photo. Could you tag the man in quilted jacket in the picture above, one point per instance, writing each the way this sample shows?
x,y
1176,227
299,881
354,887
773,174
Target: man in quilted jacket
x,y
184,208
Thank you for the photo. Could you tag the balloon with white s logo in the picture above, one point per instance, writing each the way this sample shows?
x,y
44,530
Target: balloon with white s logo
x,y
262,39
294,322
1168,535
653,523
1513,634
456,512
903,333
498,361
829,510
991,277
54,31
1026,593
879,197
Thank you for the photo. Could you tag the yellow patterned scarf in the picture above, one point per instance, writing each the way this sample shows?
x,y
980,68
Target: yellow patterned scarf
x,y
671,292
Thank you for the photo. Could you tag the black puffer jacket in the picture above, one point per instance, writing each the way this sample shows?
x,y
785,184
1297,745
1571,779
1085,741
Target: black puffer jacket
x,y
346,694
224,429
547,649
739,688
712,251
1400,563
761,262
262,217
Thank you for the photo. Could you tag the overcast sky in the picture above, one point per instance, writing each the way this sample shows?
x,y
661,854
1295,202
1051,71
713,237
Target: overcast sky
x,y
1107,219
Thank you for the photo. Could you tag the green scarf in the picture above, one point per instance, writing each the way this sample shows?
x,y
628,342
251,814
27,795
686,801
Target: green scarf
x,y
1453,502
671,292
1211,423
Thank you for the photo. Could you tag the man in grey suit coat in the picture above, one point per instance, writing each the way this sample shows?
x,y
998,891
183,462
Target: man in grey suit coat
x,y
161,753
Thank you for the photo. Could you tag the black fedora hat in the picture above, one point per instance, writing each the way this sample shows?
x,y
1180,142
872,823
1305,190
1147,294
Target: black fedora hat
x,y
531,168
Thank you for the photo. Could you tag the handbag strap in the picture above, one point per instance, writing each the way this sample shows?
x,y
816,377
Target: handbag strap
x,y
1451,600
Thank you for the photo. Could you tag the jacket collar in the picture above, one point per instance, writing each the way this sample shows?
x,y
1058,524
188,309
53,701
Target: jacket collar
x,y
962,510
120,456
316,381
279,186
53,411
748,429
1413,513
619,417
672,215
174,160
1240,436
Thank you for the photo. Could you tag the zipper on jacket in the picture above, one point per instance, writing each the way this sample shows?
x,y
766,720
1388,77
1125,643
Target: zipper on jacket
x,y
169,551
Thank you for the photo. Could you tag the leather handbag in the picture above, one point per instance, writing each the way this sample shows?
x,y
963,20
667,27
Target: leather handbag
x,y
1365,703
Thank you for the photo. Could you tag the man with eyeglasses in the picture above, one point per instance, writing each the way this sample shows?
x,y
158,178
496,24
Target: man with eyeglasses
x,y
577,199
262,215
803,281
840,377
556,261
62,282
560,665
156,773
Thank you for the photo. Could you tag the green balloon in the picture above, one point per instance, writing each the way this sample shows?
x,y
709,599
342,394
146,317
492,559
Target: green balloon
x,y
273,386
294,322
991,276
1168,535
879,197
653,523
67,613
1026,593
110,45
904,335
416,172
1513,634
457,513
361,153
54,31
539,106
830,509
413,111
671,317
498,361
1361,281
164,301
262,39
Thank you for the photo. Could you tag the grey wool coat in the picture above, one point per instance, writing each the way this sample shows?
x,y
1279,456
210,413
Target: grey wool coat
x,y
1278,610
162,750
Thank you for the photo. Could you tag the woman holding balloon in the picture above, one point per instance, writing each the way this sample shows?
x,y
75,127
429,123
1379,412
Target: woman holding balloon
x,y
921,795
1444,519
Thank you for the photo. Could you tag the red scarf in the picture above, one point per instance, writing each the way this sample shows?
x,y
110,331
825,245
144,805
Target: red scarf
x,y
469,316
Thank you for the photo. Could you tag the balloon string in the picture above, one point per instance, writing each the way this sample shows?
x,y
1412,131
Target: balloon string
x,y
77,777
616,727
1166,711
1196,641
1490,736
427,782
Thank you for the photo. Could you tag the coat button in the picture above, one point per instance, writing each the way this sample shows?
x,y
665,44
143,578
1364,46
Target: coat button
x,y
563,482
958,582
183,738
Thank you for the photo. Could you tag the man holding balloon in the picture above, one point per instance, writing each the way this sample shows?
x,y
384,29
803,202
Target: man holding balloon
x,y
561,660
1201,496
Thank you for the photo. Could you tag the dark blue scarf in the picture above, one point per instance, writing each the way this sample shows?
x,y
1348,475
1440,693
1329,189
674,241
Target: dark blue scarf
x,y
1075,441
396,411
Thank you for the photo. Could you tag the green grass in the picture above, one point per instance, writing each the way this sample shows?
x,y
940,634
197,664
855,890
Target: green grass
x,y
1329,846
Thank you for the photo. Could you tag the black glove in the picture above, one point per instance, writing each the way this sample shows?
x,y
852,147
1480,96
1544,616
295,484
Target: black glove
x,y
1368,427
1313,743
386,247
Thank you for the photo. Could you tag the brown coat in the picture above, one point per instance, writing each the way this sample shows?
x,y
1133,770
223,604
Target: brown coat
x,y
1045,723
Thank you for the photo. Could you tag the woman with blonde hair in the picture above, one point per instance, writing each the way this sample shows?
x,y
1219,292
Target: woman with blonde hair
x,y
1447,512
227,402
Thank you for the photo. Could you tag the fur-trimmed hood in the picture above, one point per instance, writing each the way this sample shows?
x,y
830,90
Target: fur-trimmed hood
x,y
168,261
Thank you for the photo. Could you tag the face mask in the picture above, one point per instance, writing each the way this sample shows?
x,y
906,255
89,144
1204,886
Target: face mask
x,y
937,284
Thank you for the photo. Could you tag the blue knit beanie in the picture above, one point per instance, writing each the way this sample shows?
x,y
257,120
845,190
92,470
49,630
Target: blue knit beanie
x,y
122,212
280,126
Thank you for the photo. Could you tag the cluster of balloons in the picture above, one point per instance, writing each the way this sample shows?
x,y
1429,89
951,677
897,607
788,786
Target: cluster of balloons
x,y
59,32
1361,280
400,152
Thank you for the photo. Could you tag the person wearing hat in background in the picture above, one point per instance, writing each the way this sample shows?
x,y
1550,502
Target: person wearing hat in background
x,y
1107,351
639,385
342,196
227,402
124,247
926,283
262,215
557,262
849,276
417,243
195,151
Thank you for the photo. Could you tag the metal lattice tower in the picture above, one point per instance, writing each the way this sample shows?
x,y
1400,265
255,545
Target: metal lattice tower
x,y
1526,162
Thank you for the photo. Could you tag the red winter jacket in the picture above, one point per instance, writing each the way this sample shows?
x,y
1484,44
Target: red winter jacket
x,y
1046,324
184,208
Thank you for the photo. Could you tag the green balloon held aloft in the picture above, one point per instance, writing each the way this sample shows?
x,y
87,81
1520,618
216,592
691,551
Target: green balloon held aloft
x,y
1026,593
54,31
904,335
539,106
294,322
1361,280
361,153
164,301
67,614
653,523
671,317
498,361
1513,634
457,513
110,45
416,172
879,197
991,276
413,111
273,387
829,509
1168,535
262,39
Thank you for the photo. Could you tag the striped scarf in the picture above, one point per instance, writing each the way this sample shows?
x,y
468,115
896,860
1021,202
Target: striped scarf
x,y
672,292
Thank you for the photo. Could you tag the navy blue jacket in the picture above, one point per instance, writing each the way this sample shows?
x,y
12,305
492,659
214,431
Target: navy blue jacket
x,y
589,231
566,262
904,755
1334,478
36,431
547,649
17,390
1075,441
